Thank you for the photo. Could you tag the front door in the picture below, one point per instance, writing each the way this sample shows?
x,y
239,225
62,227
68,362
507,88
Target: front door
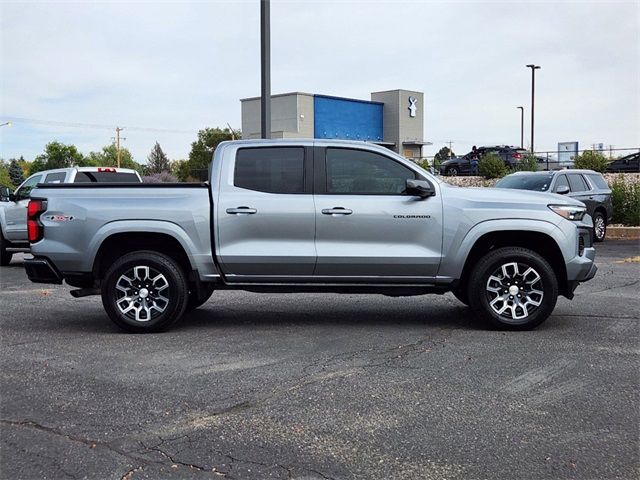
x,y
265,215
16,212
366,226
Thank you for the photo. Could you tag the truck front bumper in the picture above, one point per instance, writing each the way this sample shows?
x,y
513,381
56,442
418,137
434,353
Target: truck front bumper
x,y
41,270
580,269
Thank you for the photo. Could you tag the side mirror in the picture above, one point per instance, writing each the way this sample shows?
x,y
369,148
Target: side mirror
x,y
562,190
419,188
5,194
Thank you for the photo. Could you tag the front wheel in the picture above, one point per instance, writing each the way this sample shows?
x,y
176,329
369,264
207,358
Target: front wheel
x,y
599,227
513,288
144,292
452,172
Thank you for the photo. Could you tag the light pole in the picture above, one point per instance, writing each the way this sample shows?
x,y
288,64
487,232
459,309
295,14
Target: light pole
x,y
521,126
5,124
533,95
265,70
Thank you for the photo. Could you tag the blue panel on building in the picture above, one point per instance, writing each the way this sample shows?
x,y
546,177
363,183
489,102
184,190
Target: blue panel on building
x,y
347,118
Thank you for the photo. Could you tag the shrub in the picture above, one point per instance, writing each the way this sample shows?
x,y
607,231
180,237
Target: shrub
x,y
592,160
626,202
162,177
492,166
528,163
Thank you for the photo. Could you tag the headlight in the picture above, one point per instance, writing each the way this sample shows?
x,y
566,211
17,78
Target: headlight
x,y
569,212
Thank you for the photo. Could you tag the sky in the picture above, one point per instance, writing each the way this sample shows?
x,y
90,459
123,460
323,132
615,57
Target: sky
x,y
164,70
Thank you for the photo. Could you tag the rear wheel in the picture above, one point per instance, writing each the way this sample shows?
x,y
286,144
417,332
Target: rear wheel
x,y
599,227
513,288
452,171
5,257
144,292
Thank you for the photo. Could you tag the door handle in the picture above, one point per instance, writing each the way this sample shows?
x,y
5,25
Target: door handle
x,y
336,211
241,211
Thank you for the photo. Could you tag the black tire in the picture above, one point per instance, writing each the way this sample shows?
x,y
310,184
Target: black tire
x,y
452,171
5,257
599,227
517,284
461,294
195,302
166,286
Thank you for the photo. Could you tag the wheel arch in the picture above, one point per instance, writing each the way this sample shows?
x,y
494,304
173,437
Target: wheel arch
x,y
536,241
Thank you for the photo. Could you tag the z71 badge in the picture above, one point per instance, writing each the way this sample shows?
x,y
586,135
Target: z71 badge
x,y
59,218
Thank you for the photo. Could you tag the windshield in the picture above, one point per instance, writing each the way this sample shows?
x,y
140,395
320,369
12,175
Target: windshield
x,y
538,183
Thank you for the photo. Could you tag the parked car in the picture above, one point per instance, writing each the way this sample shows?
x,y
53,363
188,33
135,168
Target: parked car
x,y
585,185
13,206
462,165
309,216
628,163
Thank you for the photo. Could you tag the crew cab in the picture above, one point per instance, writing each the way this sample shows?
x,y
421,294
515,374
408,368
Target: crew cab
x,y
309,216
13,206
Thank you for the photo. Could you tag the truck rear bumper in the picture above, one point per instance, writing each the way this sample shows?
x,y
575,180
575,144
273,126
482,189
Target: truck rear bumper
x,y
41,270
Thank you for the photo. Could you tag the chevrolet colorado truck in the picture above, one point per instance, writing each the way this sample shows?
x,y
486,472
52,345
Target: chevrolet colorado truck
x,y
13,206
309,216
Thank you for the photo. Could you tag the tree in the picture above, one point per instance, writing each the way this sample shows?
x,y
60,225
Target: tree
x,y
15,172
108,158
202,150
57,155
528,163
443,154
158,161
5,179
592,160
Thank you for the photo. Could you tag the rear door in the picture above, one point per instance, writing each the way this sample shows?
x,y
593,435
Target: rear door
x,y
366,226
16,212
266,215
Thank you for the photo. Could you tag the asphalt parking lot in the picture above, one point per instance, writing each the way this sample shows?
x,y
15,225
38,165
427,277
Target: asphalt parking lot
x,y
323,386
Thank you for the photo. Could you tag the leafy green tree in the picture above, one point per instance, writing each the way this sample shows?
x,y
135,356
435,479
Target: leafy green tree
x,y
108,158
592,160
5,179
158,161
443,154
15,172
57,155
492,166
202,149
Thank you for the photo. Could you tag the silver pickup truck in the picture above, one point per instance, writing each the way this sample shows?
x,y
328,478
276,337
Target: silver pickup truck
x,y
309,216
13,206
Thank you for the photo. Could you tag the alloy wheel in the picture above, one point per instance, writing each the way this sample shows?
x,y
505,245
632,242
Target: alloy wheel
x,y
514,291
141,293
599,227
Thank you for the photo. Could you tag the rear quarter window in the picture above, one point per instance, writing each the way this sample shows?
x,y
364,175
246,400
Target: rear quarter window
x,y
598,181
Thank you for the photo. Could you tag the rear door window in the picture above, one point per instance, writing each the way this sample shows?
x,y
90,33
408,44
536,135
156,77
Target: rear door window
x,y
270,169
57,177
577,183
598,181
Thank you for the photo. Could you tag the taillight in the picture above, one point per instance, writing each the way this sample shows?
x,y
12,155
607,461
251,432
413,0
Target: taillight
x,y
517,155
109,170
35,230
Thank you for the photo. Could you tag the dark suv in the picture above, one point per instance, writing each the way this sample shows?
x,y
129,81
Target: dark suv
x,y
585,185
462,165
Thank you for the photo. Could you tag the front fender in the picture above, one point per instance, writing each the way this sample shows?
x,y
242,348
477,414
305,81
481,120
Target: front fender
x,y
460,245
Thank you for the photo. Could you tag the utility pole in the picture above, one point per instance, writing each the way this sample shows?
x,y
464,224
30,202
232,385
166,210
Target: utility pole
x,y
450,142
118,130
533,96
265,70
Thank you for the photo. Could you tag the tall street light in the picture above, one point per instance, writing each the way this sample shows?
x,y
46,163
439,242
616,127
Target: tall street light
x,y
5,124
265,70
533,94
521,126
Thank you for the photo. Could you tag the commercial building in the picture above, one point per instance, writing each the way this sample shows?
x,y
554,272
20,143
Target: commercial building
x,y
393,118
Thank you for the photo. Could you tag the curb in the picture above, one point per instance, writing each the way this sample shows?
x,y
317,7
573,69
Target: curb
x,y
623,233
